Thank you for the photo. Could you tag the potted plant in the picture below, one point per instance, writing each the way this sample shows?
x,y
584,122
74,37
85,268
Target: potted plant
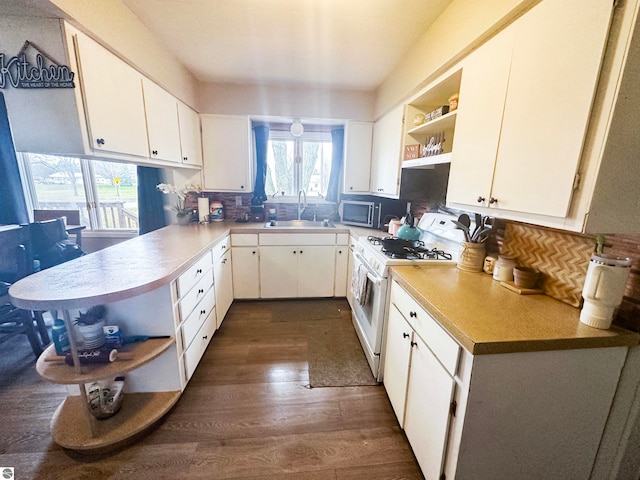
x,y
90,325
183,214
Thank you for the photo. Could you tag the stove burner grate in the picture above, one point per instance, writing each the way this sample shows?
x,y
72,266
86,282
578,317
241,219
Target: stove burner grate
x,y
418,253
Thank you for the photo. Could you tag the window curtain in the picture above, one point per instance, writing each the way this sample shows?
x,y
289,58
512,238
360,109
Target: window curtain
x,y
337,140
13,207
261,134
151,214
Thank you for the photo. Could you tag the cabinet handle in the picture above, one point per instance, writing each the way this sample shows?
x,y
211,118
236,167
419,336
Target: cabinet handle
x,y
199,271
405,335
202,312
481,199
414,344
413,314
100,141
224,246
200,291
493,200
224,260
205,337
154,152
184,159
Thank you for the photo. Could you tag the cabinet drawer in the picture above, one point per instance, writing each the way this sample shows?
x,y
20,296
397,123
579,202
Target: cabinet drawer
x,y
194,321
193,296
220,248
297,239
189,278
437,339
244,239
197,348
342,239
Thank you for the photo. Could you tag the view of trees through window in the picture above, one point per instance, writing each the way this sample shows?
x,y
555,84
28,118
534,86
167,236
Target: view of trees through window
x,y
298,163
104,192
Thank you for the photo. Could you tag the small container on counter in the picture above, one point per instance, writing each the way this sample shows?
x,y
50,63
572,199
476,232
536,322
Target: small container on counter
x,y
489,264
217,213
60,337
503,269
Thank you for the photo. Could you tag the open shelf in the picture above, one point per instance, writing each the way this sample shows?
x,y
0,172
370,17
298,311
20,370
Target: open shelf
x,y
445,122
143,352
427,162
139,411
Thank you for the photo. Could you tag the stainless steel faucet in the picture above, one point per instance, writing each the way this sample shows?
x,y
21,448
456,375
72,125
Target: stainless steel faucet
x,y
300,210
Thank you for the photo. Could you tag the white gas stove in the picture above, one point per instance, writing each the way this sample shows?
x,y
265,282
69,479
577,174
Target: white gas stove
x,y
439,243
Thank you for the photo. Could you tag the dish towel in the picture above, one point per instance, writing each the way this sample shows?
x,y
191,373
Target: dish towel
x,y
360,286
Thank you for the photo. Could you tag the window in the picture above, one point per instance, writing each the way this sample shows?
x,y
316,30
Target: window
x,y
295,164
106,193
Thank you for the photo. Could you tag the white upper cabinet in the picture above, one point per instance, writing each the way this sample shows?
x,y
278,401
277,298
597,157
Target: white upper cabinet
x,y
226,149
357,156
190,135
554,65
113,100
161,110
385,157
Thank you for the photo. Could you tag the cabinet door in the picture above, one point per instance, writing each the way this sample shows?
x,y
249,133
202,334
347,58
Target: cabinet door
x,y
226,153
278,271
554,73
316,271
112,92
397,352
161,111
357,157
385,160
190,135
342,265
427,412
223,284
246,276
350,275
483,89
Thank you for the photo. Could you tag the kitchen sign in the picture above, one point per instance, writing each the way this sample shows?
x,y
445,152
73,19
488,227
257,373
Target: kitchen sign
x,y
19,72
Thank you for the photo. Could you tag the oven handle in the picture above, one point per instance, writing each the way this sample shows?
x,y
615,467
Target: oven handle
x,y
372,275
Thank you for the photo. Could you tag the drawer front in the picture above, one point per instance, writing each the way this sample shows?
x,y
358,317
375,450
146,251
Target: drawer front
x,y
197,348
189,278
297,239
445,348
244,239
342,239
193,296
194,321
220,248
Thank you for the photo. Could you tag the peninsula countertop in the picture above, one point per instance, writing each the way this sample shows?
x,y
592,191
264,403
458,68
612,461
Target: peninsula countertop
x,y
132,267
487,318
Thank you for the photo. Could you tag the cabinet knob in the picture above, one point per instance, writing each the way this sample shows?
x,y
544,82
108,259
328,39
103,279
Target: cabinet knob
x,y
254,252
413,344
154,152
413,314
184,159
340,252
241,187
405,335
201,291
199,270
294,252
100,141
224,260
300,252
481,199
350,188
493,200
205,337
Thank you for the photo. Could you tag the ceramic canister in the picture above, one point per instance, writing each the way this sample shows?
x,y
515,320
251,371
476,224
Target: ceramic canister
x,y
217,214
603,289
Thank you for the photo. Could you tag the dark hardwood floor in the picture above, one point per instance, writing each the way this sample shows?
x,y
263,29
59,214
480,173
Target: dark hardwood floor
x,y
247,413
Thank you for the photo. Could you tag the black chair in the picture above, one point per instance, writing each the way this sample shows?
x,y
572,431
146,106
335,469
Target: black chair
x,y
16,262
51,244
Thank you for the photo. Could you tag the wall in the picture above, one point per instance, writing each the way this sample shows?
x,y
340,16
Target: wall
x,y
285,101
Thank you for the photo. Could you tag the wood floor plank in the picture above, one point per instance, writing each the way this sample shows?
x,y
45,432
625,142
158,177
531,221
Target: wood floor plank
x,y
247,413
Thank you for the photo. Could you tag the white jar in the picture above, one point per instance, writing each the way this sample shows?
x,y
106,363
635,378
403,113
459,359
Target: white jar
x,y
503,269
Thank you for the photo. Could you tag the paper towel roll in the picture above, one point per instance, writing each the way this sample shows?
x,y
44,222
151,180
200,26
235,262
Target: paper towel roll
x,y
203,209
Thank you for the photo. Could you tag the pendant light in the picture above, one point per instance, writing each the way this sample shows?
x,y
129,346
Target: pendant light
x,y
296,129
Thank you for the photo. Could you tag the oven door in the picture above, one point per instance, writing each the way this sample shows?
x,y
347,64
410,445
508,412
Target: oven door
x,y
368,318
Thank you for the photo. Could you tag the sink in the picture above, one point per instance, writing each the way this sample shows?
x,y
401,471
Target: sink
x,y
298,224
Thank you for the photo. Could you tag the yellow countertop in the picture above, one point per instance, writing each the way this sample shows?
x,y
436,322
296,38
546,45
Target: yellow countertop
x,y
487,318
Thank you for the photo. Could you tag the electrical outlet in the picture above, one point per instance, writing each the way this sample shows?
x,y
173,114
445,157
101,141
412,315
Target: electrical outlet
x,y
238,201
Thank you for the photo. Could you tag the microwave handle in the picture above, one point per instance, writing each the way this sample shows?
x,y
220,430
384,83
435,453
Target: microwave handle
x,y
370,219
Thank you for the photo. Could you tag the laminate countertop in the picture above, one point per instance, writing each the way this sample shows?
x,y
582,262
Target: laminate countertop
x,y
132,267
486,318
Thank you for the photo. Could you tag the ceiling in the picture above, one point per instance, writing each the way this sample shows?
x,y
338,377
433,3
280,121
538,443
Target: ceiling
x,y
351,44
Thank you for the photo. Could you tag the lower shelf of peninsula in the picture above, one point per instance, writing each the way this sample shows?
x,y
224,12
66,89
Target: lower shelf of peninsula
x,y
139,411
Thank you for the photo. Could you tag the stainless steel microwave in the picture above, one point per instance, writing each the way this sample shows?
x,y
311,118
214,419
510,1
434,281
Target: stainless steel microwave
x,y
361,214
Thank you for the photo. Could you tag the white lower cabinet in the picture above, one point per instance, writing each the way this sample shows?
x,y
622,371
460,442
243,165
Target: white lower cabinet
x,y
223,277
246,265
297,265
525,415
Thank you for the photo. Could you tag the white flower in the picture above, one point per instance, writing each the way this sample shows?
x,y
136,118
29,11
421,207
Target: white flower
x,y
181,192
